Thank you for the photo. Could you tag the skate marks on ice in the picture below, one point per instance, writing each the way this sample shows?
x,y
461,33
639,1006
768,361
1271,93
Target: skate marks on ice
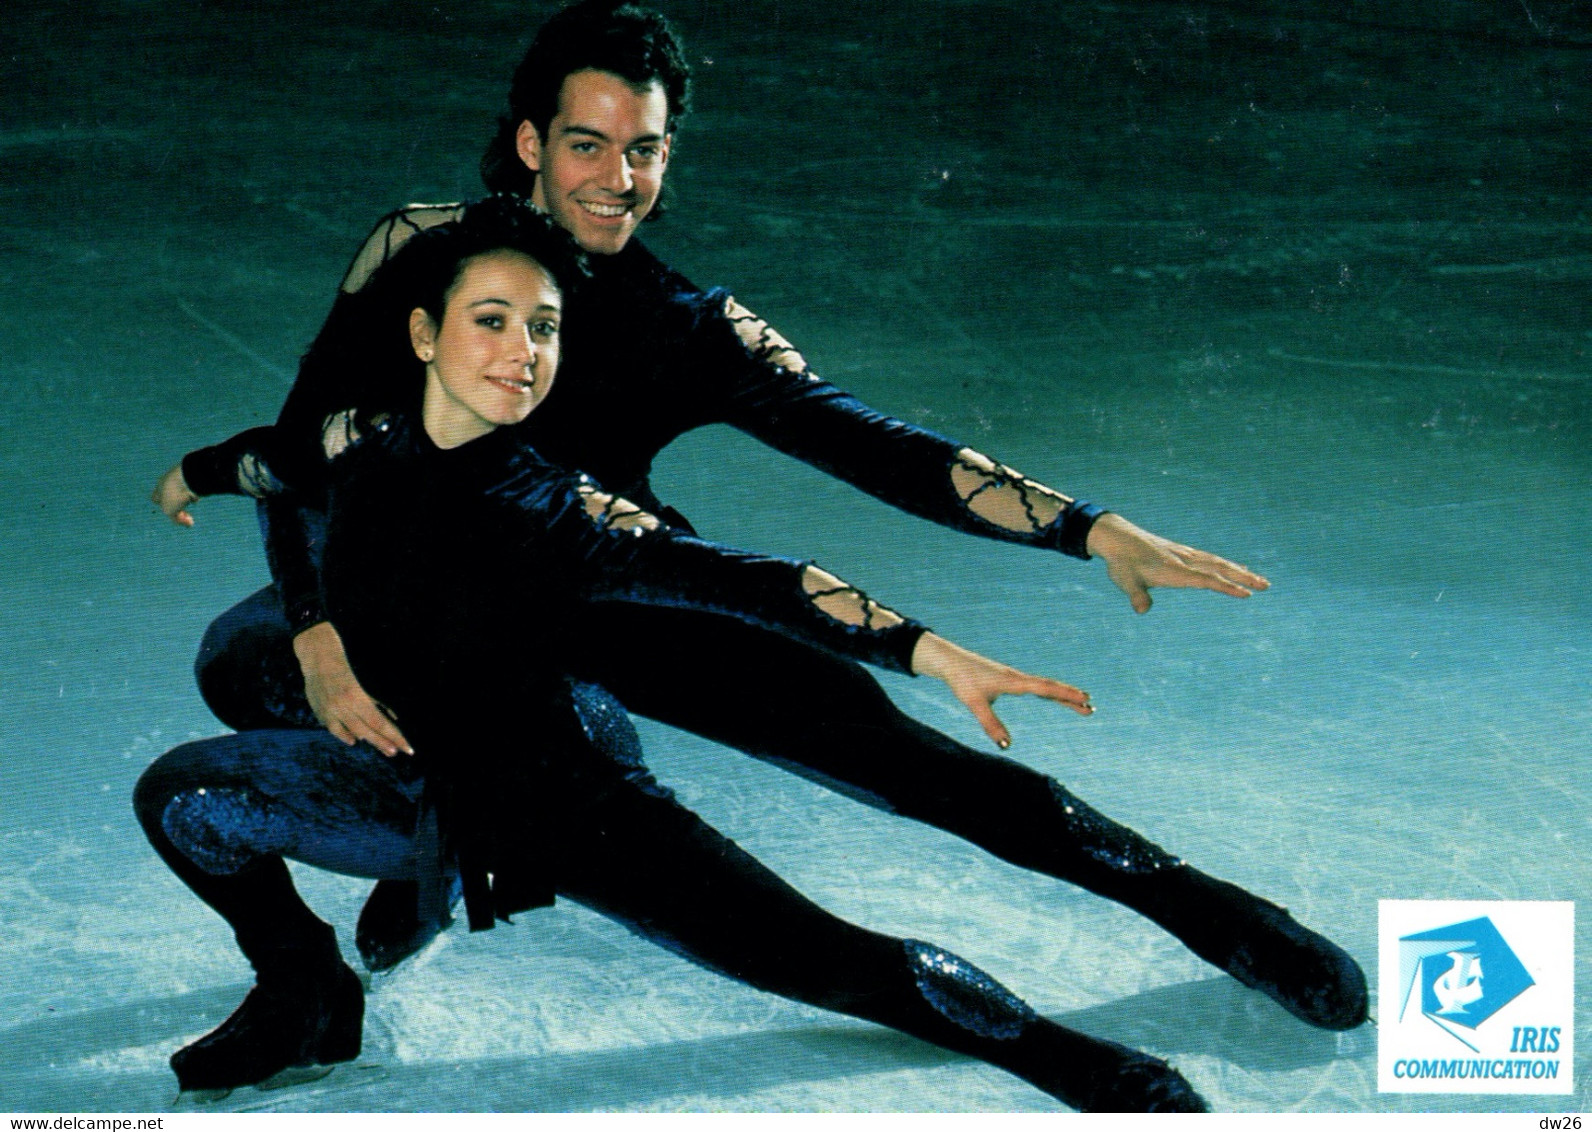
x,y
69,138
115,1059
1425,368
233,341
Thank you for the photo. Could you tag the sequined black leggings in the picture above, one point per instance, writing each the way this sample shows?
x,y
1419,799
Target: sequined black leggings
x,y
797,707
223,811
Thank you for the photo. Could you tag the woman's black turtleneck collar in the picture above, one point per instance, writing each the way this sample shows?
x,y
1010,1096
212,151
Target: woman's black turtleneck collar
x,y
485,456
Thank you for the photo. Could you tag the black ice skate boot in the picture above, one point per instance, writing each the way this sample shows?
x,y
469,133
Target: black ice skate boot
x,y
1253,940
1126,1080
307,1008
1263,947
391,927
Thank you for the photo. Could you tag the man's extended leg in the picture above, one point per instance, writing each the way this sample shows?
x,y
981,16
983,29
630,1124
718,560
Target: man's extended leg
x,y
827,719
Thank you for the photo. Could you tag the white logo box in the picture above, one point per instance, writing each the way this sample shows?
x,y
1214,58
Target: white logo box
x,y
1476,996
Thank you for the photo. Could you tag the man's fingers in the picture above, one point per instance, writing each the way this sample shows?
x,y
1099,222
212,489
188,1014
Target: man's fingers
x,y
1242,575
1230,573
1193,570
1248,578
1131,581
1220,584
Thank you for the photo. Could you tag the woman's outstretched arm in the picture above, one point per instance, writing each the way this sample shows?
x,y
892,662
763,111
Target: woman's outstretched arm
x,y
627,554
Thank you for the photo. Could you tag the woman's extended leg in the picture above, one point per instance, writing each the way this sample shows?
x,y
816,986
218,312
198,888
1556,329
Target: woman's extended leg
x,y
222,813
827,719
641,858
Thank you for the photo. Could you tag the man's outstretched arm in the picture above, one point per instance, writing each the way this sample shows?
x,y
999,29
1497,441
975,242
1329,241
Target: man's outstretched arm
x,y
774,396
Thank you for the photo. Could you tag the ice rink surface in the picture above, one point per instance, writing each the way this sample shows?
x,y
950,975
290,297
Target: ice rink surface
x,y
1309,289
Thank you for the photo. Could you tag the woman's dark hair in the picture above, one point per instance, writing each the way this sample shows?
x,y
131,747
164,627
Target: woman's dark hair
x,y
423,271
635,43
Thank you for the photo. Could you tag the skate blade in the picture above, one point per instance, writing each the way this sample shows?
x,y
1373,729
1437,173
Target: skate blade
x,y
295,1075
263,1096
287,1078
199,1098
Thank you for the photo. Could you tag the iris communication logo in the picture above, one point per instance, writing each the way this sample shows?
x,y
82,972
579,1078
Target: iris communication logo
x,y
1476,997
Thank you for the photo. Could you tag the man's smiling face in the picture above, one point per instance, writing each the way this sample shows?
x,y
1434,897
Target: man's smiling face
x,y
601,166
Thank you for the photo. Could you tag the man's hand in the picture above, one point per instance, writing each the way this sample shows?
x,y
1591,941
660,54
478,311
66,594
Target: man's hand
x,y
336,697
979,681
1137,560
173,496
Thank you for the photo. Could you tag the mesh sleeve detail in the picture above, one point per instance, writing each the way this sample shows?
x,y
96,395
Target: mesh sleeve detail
x,y
256,478
339,432
761,340
1004,496
845,603
770,394
391,233
613,513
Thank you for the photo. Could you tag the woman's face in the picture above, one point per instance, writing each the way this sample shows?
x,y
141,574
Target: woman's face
x,y
494,357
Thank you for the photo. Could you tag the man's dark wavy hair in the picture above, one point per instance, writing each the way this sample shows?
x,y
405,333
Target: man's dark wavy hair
x,y
635,43
423,271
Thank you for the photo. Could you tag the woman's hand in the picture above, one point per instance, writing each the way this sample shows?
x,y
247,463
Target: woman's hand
x,y
1137,560
979,681
173,496
336,697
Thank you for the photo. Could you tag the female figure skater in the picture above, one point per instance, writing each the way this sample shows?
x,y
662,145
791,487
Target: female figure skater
x,y
457,562
593,111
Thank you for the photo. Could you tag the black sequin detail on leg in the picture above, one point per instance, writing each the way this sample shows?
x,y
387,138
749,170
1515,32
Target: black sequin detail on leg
x,y
1106,841
221,829
966,995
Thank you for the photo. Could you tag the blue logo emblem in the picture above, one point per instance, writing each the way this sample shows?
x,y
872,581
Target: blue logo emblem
x,y
1460,975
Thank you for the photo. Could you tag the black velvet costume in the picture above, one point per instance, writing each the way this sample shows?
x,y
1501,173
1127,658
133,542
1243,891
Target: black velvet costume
x,y
647,356
454,576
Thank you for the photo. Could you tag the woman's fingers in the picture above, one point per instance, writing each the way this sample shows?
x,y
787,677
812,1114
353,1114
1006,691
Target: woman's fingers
x,y
367,723
1045,688
988,720
1065,694
1015,683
